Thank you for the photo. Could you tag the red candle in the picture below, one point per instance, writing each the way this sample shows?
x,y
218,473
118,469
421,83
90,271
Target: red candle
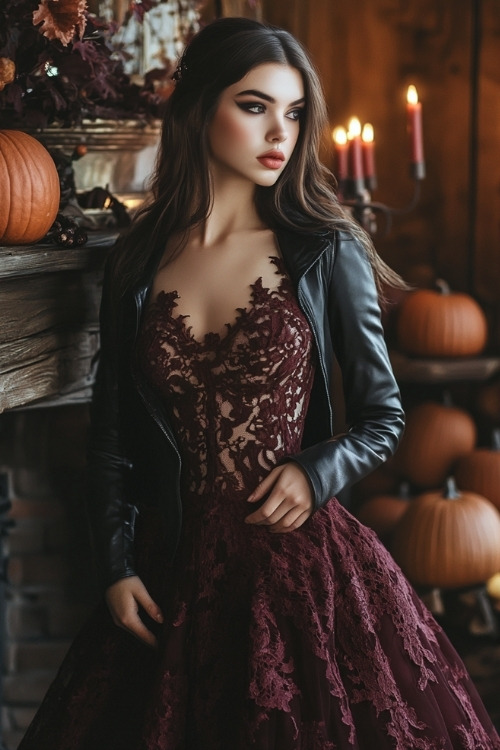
x,y
341,146
368,147
355,153
414,120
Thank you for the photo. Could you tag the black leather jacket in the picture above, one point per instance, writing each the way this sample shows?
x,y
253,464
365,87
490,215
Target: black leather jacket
x,y
133,456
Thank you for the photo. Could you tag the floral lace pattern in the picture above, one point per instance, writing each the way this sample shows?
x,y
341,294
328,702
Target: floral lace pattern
x,y
311,640
235,400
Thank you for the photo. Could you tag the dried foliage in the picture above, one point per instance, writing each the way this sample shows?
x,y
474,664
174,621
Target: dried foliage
x,y
61,19
66,68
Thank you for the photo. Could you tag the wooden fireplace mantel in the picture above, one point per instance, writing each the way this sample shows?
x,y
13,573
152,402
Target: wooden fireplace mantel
x,y
49,329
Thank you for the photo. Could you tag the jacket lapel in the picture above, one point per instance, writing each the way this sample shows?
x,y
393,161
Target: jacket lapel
x,y
300,251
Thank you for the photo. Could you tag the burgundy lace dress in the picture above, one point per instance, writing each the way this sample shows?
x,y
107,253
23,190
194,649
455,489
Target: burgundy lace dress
x,y
310,640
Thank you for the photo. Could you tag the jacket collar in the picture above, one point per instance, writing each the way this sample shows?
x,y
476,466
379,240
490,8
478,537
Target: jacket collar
x,y
300,251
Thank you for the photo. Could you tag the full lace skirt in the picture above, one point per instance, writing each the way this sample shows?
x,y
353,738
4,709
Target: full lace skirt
x,y
311,640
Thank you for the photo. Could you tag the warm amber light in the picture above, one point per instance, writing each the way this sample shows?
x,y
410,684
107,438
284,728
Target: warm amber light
x,y
412,96
367,135
354,128
339,136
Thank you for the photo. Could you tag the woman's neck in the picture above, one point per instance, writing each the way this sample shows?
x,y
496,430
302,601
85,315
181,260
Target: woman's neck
x,y
233,210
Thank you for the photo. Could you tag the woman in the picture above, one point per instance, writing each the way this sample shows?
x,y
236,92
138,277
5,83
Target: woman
x,y
247,608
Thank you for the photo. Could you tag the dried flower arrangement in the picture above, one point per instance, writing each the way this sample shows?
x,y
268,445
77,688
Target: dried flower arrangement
x,y
58,64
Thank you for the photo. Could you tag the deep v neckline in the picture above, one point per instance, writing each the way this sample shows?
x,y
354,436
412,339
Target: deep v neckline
x,y
214,338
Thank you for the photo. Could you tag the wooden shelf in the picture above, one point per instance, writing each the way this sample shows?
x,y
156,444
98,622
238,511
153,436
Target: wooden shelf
x,y
27,260
435,371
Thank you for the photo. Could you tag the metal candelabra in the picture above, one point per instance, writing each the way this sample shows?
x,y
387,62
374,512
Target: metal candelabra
x,y
357,196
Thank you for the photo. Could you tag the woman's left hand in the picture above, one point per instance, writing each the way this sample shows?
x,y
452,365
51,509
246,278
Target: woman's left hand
x,y
289,503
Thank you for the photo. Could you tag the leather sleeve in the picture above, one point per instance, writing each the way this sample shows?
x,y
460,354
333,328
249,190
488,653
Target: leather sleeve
x,y
374,414
111,516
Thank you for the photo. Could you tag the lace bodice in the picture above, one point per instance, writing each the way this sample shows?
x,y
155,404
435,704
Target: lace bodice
x,y
237,401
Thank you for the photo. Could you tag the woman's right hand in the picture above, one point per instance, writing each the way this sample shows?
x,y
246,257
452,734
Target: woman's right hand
x,y
124,599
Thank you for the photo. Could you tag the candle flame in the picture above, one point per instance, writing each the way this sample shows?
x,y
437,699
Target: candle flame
x,y
412,96
367,135
339,135
354,128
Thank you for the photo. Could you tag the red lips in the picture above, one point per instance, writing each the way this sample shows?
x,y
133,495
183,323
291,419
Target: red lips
x,y
272,159
273,154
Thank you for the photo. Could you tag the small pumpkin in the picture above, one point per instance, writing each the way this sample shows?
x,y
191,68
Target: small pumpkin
x,y
479,471
436,435
441,323
30,189
382,512
448,539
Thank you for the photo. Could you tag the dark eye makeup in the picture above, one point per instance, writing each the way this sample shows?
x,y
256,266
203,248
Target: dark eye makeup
x,y
258,108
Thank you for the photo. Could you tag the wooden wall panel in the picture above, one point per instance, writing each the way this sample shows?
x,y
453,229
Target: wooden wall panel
x,y
486,266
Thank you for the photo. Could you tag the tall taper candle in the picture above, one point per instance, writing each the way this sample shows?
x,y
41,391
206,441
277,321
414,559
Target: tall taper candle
x,y
368,145
355,155
341,147
414,115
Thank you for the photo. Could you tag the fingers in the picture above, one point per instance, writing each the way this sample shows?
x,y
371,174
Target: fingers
x,y
290,501
287,516
266,484
147,603
135,626
125,598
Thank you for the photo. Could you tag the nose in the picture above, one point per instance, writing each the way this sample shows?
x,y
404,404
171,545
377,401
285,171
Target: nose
x,y
277,133
277,138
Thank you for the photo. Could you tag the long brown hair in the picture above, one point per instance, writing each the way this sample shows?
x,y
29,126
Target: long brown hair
x,y
303,199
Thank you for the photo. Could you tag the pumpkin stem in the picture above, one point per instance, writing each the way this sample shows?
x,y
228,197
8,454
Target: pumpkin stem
x,y
447,398
495,439
404,489
442,286
450,490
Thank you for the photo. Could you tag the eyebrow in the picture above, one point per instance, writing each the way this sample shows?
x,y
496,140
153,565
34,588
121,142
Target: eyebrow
x,y
266,97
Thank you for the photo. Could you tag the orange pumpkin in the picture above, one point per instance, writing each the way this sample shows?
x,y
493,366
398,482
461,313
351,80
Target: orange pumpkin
x,y
441,323
436,435
30,189
479,471
382,512
448,539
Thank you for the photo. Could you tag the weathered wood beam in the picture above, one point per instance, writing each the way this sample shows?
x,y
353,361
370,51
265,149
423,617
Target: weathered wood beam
x,y
49,336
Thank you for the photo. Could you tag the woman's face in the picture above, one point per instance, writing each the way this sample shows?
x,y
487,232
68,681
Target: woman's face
x,y
256,124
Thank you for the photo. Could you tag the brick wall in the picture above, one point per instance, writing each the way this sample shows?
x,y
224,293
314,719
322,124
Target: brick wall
x,y
51,587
